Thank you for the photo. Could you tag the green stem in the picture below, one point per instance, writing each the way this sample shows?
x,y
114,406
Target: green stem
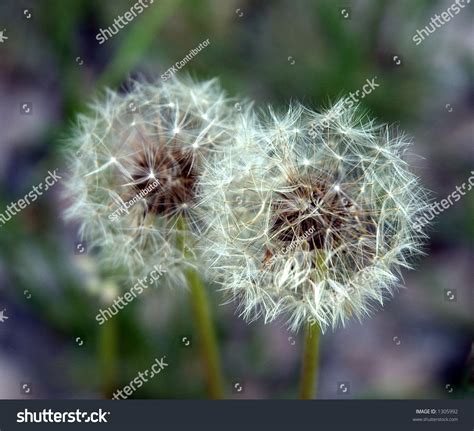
x,y
108,357
309,371
206,335
204,326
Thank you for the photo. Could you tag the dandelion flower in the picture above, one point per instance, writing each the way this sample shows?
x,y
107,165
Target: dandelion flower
x,y
312,215
135,162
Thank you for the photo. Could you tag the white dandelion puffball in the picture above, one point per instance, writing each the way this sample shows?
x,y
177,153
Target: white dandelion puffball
x,y
134,165
312,215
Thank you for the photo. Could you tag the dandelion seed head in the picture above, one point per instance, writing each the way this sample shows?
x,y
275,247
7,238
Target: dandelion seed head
x,y
133,174
327,260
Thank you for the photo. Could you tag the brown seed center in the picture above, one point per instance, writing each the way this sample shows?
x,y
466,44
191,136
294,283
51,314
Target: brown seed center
x,y
314,212
176,175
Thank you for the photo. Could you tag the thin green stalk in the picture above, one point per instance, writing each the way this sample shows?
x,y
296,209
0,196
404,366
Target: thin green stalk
x,y
204,326
108,357
309,370
206,335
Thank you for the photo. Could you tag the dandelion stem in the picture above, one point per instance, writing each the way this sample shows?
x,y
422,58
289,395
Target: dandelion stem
x,y
108,357
204,325
206,335
309,371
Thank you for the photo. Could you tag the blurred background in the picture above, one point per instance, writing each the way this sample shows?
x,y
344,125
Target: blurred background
x,y
272,51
